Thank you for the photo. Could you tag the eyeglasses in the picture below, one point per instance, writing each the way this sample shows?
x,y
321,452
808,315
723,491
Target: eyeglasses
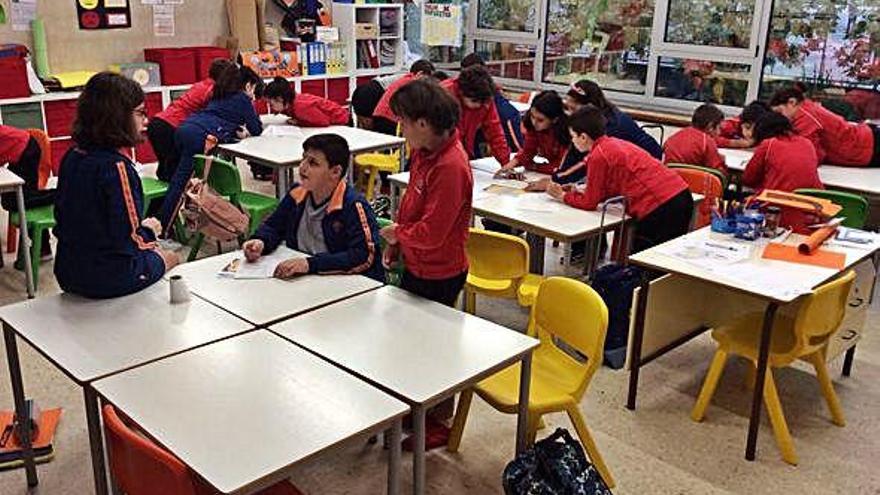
x,y
140,112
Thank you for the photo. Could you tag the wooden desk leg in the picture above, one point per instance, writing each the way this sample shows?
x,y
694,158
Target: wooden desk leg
x,y
19,399
418,419
635,351
394,458
536,253
757,397
25,244
96,439
525,379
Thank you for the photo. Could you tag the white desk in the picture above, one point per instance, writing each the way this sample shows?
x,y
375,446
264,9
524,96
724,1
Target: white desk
x,y
286,152
539,215
777,282
243,411
416,349
89,339
9,182
266,301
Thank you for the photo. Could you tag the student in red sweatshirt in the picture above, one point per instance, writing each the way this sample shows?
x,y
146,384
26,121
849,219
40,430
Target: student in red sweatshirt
x,y
695,145
475,92
22,152
737,132
783,160
837,141
435,212
546,135
162,126
383,117
304,109
656,196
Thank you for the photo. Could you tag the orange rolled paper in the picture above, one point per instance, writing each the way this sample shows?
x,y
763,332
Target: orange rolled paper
x,y
816,239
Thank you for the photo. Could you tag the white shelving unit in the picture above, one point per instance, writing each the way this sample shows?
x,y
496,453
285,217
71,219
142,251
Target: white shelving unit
x,y
378,51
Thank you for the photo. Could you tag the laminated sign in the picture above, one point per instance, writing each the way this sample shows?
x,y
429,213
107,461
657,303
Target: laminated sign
x,y
441,24
103,14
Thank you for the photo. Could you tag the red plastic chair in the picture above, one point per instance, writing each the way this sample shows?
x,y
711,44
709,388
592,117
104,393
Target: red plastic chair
x,y
140,467
706,183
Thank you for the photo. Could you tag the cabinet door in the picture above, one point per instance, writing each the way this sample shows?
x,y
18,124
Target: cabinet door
x,y
59,117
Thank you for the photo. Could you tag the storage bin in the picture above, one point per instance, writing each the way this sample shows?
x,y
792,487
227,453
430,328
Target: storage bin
x,y
205,55
176,65
60,115
13,78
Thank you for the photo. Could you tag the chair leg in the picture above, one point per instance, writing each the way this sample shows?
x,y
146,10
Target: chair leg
x,y
751,375
461,413
197,245
36,250
709,385
777,420
535,423
371,184
470,301
827,389
577,419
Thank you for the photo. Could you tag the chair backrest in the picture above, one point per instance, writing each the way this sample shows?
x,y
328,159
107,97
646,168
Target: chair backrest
x,y
575,313
493,255
821,314
705,181
225,178
855,207
44,170
395,275
140,467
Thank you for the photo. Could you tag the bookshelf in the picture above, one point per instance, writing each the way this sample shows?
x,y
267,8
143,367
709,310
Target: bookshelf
x,y
373,36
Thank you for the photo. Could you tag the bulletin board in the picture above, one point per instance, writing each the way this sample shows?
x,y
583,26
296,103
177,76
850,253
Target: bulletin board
x,y
103,14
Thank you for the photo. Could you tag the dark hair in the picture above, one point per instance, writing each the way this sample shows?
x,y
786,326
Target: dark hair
x,y
227,83
589,120
472,59
476,83
782,96
587,92
550,104
440,75
425,99
752,112
365,98
771,125
422,67
104,112
333,146
280,88
248,76
217,66
705,116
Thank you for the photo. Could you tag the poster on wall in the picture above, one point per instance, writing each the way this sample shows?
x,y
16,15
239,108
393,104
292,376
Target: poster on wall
x,y
103,14
23,12
441,24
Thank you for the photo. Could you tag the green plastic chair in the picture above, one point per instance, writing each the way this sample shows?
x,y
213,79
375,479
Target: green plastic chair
x,y
395,275
153,189
855,207
39,220
708,170
226,181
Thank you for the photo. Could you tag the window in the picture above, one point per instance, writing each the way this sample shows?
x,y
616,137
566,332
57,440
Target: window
x,y
508,60
715,23
507,15
703,80
604,40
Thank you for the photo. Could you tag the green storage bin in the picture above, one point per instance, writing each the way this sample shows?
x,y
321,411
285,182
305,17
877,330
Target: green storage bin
x,y
23,115
177,94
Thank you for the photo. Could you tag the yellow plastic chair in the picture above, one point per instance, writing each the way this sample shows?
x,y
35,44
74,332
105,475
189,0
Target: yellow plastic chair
x,y
803,337
499,267
559,381
369,165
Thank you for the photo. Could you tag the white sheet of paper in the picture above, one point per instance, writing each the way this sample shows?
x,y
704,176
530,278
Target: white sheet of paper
x,y
274,119
263,268
284,131
709,254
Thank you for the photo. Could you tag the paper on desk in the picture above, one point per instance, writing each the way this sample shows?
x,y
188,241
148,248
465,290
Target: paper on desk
x,y
751,275
283,131
489,164
708,253
274,119
537,202
854,238
241,269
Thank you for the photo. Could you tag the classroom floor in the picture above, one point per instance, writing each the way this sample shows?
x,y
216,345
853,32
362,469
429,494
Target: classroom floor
x,y
655,450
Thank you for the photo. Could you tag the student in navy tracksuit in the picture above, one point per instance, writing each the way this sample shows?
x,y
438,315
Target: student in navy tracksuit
x,y
322,217
105,248
229,116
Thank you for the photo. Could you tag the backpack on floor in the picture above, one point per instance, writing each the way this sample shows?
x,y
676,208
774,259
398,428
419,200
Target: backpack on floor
x,y
555,465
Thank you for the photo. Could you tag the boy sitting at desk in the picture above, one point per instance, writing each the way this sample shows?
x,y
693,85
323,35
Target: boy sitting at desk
x,y
322,217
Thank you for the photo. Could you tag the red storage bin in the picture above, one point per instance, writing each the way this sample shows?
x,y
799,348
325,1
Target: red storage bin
x,y
205,55
13,78
59,149
314,87
337,90
177,65
153,104
143,153
60,115
363,80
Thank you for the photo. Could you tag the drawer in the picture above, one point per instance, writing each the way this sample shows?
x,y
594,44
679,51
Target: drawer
x,y
23,115
337,90
59,148
59,117
153,103
314,88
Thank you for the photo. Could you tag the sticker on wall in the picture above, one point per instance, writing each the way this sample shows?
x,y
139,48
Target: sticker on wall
x,y
103,14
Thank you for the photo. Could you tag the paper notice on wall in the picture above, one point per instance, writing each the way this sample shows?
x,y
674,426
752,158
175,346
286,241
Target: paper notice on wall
x,y
22,13
163,20
441,24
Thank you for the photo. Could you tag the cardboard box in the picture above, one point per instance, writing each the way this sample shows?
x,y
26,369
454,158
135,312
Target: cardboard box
x,y
244,23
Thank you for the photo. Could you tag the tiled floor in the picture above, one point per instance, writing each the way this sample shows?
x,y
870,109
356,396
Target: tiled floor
x,y
654,450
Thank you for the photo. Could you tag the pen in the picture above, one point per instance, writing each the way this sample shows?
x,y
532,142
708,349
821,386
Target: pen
x,y
719,246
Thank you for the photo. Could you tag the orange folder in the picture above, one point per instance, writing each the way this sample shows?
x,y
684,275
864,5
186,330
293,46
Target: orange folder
x,y
819,257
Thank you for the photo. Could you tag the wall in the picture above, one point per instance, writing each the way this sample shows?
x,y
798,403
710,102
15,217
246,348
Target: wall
x,y
198,22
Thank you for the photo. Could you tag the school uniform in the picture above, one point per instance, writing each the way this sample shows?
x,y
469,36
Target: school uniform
x,y
217,123
102,249
730,129
433,222
837,141
383,108
544,144
622,126
484,118
784,163
314,111
656,196
161,127
692,146
341,235
21,151
573,168
511,123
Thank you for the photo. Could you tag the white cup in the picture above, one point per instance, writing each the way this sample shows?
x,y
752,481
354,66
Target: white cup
x,y
179,290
